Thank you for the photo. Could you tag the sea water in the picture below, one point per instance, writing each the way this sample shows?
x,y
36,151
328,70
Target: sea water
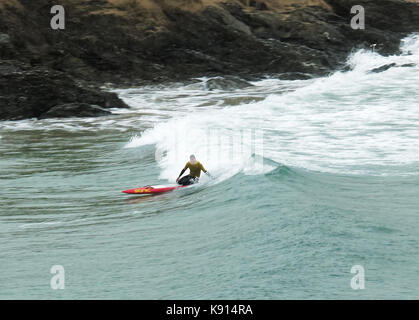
x,y
311,178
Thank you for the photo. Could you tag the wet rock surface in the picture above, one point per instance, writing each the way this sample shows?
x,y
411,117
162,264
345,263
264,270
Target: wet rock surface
x,y
27,92
131,43
70,109
383,68
226,83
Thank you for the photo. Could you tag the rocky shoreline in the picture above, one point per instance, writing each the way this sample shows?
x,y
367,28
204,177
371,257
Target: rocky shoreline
x,y
58,73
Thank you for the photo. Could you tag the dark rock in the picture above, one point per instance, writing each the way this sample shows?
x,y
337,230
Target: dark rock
x,y
407,65
4,39
294,76
31,92
75,110
390,65
383,68
128,42
226,83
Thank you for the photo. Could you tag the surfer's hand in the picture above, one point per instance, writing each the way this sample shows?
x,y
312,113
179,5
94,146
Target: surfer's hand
x,y
177,179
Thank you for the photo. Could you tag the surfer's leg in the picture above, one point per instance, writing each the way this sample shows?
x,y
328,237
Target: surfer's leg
x,y
186,180
190,180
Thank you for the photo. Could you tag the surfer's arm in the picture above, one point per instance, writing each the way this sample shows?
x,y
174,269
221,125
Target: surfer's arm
x,y
205,171
202,167
183,171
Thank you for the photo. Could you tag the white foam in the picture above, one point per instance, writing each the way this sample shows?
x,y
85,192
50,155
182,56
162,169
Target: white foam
x,y
339,123
342,123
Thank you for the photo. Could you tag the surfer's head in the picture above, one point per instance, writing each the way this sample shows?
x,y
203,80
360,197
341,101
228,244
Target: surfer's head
x,y
192,159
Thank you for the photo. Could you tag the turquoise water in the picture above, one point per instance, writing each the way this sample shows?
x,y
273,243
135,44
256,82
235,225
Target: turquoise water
x,y
311,178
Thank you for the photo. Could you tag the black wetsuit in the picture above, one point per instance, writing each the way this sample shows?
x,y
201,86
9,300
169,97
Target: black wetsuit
x,y
187,180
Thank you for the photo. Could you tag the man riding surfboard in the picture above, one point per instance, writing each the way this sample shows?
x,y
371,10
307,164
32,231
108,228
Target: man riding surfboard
x,y
195,167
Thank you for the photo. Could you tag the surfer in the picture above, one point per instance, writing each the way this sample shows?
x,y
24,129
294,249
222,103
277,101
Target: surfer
x,y
195,168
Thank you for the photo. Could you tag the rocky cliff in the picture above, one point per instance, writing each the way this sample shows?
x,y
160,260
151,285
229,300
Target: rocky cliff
x,y
133,42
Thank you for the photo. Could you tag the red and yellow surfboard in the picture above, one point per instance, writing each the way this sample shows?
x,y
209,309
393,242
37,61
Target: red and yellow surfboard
x,y
152,189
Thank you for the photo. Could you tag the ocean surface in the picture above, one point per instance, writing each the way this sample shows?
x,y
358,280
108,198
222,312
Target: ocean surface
x,y
311,178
